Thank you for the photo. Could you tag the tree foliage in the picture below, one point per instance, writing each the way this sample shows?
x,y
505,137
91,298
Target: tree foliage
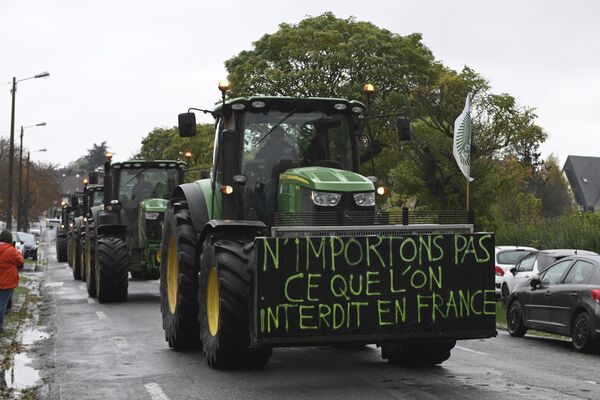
x,y
331,57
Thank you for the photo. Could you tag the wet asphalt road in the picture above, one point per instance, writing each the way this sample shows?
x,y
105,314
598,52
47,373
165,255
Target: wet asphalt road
x,y
118,351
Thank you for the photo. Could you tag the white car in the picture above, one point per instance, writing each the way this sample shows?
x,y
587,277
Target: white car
x,y
506,258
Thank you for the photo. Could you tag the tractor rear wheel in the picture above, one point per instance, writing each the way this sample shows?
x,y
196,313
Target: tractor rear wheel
x,y
417,354
179,279
226,268
61,249
111,269
76,257
90,270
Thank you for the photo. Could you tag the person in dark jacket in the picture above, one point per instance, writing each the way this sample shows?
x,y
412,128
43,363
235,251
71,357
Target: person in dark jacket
x,y
10,260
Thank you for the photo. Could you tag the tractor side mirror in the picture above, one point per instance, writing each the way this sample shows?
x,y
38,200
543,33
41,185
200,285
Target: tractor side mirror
x,y
187,124
403,128
93,178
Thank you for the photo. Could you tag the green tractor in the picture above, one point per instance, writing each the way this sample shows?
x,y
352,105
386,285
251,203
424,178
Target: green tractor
x,y
125,232
284,245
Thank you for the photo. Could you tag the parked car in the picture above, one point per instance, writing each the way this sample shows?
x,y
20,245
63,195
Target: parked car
x,y
19,245
563,299
537,262
30,244
506,258
36,229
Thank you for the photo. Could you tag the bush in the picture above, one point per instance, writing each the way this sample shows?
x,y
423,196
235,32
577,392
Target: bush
x,y
572,231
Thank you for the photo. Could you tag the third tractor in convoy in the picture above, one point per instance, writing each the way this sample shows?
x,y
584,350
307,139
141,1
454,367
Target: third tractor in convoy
x,y
285,245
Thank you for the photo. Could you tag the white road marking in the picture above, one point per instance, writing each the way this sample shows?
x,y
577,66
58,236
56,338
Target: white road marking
x,y
91,301
471,351
121,343
155,391
101,315
591,382
54,284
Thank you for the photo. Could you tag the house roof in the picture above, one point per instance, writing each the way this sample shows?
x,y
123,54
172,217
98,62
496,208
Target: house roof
x,y
583,174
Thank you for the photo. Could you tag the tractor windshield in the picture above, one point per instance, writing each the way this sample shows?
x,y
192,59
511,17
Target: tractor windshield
x,y
136,184
96,198
276,141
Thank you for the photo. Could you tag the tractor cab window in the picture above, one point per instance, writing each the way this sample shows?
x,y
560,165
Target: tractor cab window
x,y
276,141
96,198
139,184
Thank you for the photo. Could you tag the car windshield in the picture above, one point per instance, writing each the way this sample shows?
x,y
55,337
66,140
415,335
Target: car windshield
x,y
511,256
276,141
26,237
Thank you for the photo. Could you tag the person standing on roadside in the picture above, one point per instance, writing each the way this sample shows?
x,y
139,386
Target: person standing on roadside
x,y
10,260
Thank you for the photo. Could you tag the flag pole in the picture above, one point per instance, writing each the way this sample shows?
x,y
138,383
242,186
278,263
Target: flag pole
x,y
468,194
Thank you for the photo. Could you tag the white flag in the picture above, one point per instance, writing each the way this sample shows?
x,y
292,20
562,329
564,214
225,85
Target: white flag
x,y
462,140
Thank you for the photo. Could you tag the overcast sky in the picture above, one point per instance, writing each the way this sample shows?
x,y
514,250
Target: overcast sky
x,y
119,68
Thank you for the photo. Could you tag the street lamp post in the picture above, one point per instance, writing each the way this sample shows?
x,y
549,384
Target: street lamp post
x,y
20,191
27,205
11,147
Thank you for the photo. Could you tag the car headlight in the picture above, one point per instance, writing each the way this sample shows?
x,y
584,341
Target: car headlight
x,y
152,215
325,199
365,199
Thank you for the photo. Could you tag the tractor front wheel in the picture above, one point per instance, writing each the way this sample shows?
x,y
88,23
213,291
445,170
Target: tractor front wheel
x,y
61,249
178,279
75,257
226,268
111,269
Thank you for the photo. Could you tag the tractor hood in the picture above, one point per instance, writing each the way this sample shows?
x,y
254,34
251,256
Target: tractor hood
x,y
154,205
327,179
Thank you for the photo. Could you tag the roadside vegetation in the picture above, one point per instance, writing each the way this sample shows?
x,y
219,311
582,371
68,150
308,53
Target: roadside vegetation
x,y
326,56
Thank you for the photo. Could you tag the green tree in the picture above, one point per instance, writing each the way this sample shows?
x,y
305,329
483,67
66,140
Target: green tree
x,y
94,158
165,144
550,186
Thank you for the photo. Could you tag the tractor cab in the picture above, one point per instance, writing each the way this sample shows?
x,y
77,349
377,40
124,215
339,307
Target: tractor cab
x,y
279,155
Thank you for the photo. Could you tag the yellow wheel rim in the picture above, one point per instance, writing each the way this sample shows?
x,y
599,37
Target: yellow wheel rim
x,y
212,301
172,274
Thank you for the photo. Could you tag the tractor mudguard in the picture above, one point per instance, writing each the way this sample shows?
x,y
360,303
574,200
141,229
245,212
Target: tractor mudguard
x,y
239,227
195,201
373,289
112,230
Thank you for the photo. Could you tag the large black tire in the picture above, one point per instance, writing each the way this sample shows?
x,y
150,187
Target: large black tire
x,y
514,319
90,270
226,268
178,251
75,256
61,249
581,334
417,354
111,269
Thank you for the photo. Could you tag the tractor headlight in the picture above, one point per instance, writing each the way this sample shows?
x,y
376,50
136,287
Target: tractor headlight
x,y
365,199
325,199
152,215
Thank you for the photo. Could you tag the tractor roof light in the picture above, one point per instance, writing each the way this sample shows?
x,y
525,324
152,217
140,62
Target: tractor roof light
x,y
187,154
238,106
108,155
226,189
368,89
85,181
340,106
258,104
223,86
